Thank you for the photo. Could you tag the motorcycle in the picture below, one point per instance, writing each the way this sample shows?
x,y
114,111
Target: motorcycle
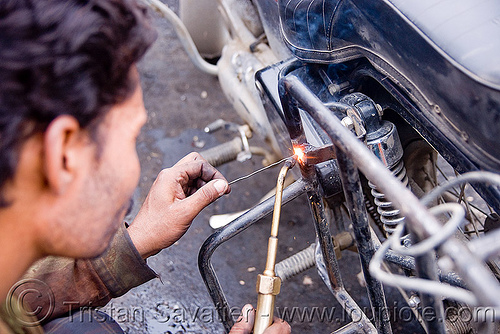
x,y
391,110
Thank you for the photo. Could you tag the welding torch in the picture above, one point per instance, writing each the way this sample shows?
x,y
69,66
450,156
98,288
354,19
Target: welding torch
x,y
268,284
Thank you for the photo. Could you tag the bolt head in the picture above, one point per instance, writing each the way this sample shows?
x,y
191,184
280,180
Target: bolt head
x,y
347,122
414,301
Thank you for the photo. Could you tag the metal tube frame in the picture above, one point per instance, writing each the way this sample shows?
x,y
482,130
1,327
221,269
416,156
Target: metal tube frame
x,y
357,210
419,221
352,155
366,247
331,276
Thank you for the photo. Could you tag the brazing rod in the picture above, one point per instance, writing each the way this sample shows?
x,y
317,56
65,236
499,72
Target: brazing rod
x,y
260,170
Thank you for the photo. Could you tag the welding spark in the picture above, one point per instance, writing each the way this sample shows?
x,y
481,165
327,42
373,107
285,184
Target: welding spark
x,y
298,151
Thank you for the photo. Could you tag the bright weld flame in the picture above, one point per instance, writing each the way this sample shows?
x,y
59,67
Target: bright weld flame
x,y
299,153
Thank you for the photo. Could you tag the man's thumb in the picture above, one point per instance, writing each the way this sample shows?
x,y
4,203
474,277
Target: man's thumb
x,y
244,325
220,186
207,194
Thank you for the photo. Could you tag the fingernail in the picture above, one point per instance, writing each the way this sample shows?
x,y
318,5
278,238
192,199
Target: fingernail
x,y
247,312
220,186
246,309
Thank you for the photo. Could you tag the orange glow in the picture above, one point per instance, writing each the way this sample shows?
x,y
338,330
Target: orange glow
x,y
299,152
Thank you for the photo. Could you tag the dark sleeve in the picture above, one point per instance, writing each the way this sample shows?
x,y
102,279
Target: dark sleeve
x,y
66,284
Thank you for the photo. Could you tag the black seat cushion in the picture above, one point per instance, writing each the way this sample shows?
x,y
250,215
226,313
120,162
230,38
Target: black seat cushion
x,y
467,32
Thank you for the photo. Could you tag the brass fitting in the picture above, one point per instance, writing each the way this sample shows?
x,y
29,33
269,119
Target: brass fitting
x,y
267,285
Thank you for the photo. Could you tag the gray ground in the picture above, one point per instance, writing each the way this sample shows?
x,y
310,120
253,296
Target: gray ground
x,y
181,101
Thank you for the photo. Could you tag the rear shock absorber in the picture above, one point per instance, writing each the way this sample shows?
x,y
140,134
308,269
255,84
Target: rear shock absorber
x,y
389,216
383,140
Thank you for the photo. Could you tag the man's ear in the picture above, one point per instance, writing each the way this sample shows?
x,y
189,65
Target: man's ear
x,y
64,148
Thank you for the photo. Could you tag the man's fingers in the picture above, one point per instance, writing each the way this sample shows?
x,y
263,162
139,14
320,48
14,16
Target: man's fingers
x,y
190,157
278,327
197,170
244,325
206,171
205,195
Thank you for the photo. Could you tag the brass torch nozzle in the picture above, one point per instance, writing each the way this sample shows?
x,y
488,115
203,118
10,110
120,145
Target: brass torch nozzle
x,y
268,284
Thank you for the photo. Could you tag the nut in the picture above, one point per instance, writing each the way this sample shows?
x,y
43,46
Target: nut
x,y
268,285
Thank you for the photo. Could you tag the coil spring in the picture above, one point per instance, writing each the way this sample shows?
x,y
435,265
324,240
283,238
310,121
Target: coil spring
x,y
296,263
389,215
372,211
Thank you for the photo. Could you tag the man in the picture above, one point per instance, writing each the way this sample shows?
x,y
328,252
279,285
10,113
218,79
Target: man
x,y
70,111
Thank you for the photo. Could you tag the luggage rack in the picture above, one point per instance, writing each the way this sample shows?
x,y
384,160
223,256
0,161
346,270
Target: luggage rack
x,y
351,155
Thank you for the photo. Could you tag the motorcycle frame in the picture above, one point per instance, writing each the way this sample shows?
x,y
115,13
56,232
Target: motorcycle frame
x,y
237,62
352,155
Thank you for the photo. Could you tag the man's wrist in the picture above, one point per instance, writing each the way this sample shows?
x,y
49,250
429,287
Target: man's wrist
x,y
140,242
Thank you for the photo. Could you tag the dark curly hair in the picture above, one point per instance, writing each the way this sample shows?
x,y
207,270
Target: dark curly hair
x,y
59,57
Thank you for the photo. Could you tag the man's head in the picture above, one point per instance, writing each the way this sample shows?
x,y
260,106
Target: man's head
x,y
70,111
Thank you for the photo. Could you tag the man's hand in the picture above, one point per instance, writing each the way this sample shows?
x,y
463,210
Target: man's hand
x,y
178,194
244,325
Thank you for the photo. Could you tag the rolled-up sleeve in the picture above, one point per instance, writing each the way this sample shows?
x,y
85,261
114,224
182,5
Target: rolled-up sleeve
x,y
71,284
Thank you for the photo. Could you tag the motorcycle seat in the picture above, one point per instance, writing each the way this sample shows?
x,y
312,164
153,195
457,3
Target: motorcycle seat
x,y
466,32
